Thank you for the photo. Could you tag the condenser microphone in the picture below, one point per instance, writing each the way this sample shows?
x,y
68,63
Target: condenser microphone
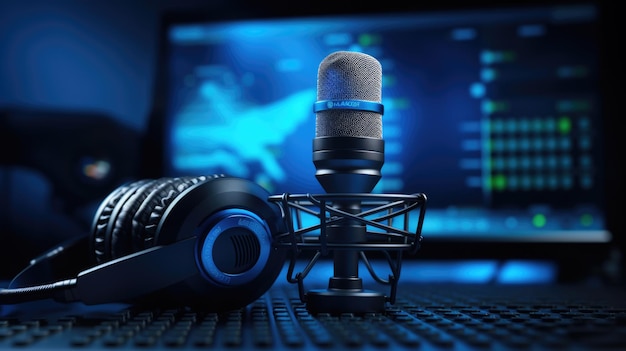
x,y
348,154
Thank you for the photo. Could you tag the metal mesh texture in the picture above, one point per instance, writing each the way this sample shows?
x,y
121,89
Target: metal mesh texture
x,y
346,75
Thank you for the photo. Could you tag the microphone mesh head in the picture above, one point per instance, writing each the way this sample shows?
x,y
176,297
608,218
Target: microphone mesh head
x,y
346,75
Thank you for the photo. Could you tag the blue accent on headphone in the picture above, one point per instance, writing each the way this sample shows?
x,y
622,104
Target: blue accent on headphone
x,y
359,105
219,223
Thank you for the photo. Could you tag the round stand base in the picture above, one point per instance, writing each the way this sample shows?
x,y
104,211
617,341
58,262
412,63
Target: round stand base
x,y
337,301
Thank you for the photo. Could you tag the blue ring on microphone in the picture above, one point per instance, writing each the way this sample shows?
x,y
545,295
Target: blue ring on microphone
x,y
360,105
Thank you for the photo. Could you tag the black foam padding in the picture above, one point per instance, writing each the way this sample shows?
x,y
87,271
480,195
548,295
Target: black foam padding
x,y
103,218
146,219
119,233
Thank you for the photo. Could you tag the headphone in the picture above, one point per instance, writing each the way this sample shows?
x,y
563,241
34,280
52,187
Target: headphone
x,y
200,241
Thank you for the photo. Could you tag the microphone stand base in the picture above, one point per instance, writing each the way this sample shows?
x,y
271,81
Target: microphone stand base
x,y
337,301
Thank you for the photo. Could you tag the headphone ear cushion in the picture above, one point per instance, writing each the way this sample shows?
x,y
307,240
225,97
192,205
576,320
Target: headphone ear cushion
x,y
104,217
146,219
119,234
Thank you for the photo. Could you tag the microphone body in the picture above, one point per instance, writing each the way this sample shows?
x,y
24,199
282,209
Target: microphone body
x,y
348,154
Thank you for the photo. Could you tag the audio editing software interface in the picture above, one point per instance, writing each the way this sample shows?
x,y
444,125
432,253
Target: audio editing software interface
x,y
495,114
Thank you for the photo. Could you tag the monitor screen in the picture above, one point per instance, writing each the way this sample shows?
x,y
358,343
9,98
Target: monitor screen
x,y
494,114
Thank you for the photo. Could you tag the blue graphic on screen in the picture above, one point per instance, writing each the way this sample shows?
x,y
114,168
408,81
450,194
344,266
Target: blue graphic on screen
x,y
236,145
492,115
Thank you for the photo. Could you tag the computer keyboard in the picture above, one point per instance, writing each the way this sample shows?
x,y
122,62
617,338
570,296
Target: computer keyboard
x,y
424,317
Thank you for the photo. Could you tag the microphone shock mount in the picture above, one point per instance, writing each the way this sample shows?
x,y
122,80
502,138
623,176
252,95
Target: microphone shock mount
x,y
350,226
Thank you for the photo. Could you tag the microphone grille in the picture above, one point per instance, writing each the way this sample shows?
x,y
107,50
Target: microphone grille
x,y
347,75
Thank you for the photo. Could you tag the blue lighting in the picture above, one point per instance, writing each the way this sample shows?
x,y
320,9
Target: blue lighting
x,y
455,271
525,272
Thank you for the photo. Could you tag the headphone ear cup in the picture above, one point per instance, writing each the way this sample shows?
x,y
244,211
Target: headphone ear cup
x,y
231,218
233,224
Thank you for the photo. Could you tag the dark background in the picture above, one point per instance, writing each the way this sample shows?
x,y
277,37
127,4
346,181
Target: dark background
x,y
89,66
75,67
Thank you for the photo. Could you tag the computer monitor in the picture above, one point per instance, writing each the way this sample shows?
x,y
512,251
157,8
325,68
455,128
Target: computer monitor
x,y
496,113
